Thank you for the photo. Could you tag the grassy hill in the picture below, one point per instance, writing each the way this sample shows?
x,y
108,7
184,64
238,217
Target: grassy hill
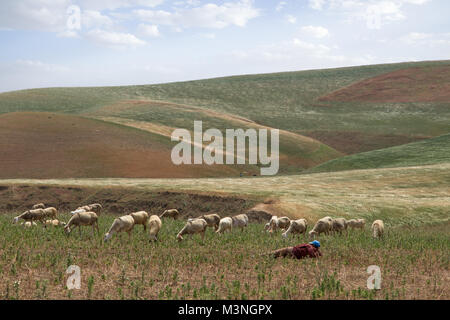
x,y
426,152
317,124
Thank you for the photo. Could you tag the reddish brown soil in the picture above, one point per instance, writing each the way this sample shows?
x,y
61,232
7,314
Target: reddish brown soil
x,y
356,142
46,145
424,84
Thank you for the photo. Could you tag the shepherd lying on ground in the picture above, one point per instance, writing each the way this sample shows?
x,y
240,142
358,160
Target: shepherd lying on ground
x,y
300,251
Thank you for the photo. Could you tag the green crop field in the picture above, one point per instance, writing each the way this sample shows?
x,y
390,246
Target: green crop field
x,y
414,263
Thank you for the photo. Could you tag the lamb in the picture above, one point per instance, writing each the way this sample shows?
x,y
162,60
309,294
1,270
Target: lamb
x,y
212,220
38,206
51,212
154,225
240,221
356,223
193,226
339,225
225,224
378,228
54,223
322,226
31,215
82,219
296,226
28,224
172,213
121,224
140,217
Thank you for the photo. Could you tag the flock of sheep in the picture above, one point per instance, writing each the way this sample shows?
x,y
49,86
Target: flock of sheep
x,y
325,225
88,216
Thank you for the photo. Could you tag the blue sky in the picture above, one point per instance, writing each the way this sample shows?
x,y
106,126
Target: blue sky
x,y
48,43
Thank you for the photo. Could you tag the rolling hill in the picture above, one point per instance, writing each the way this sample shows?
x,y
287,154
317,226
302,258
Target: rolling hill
x,y
49,145
322,114
426,152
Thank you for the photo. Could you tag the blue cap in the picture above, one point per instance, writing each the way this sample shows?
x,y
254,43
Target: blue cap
x,y
315,243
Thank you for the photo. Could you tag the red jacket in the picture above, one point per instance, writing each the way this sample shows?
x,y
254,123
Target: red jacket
x,y
306,250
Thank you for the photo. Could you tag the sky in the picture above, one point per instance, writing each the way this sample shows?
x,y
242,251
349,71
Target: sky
x,y
59,43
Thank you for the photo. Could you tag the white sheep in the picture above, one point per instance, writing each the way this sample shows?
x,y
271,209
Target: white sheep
x,y
95,207
172,213
212,220
225,224
121,224
28,224
82,219
296,226
338,225
154,225
193,226
240,221
279,223
378,228
140,217
38,206
322,226
356,223
50,212
31,215
54,223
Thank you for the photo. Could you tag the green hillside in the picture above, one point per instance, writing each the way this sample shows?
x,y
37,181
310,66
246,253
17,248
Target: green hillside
x,y
426,152
288,101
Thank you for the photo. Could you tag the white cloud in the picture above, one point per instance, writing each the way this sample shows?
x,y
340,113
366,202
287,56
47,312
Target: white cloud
x,y
375,13
95,19
114,39
315,31
207,16
316,4
280,6
291,19
149,30
100,5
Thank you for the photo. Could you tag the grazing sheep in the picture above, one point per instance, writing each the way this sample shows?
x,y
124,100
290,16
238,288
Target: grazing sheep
x,y
31,215
154,225
38,206
339,225
122,224
51,212
267,226
172,213
81,209
296,226
321,226
225,224
240,221
193,226
378,228
279,223
212,220
82,219
356,223
95,207
54,223
140,217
